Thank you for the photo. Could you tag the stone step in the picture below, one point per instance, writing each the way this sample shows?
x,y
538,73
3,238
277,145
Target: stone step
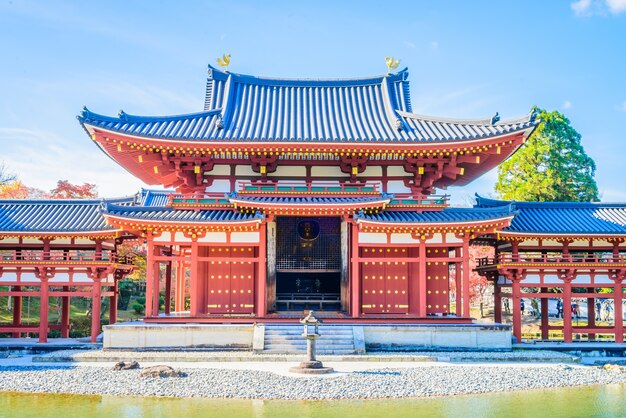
x,y
301,338
303,343
290,344
319,352
299,334
302,348
298,339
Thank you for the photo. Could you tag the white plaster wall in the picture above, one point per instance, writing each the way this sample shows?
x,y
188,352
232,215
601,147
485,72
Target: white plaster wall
x,y
289,171
551,243
62,241
84,241
403,239
452,239
601,243
248,237
579,243
375,171
213,237
32,241
372,238
10,240
165,236
328,171
180,237
396,171
436,239
219,170
529,243
244,170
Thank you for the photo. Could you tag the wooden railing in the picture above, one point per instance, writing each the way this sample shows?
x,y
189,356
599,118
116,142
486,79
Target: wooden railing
x,y
311,187
409,199
205,199
18,256
508,258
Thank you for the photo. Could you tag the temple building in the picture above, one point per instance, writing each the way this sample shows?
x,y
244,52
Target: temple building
x,y
291,194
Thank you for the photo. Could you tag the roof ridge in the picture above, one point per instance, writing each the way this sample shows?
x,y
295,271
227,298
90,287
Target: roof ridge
x,y
480,121
376,79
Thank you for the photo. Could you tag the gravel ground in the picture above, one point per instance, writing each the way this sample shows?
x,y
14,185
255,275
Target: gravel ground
x,y
101,355
426,380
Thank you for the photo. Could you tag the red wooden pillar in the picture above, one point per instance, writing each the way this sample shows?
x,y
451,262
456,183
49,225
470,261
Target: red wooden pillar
x,y
168,286
44,290
96,302
156,291
544,315
421,279
466,278
517,308
65,314
618,294
355,277
194,304
567,310
149,277
497,303
591,314
17,310
179,303
459,290
261,288
113,305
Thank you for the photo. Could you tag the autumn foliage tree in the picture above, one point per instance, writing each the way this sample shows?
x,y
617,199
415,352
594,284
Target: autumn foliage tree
x,y
67,190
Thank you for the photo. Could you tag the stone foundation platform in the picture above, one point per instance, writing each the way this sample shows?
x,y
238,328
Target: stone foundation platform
x,y
374,337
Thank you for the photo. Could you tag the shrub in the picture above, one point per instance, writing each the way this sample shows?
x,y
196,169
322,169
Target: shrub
x,y
138,308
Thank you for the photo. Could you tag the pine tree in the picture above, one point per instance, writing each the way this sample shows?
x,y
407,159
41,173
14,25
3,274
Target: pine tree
x,y
551,166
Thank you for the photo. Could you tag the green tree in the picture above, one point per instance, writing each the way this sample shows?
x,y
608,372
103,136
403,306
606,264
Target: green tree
x,y
551,166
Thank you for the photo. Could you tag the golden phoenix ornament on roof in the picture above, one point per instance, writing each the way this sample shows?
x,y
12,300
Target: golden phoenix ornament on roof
x,y
392,64
224,61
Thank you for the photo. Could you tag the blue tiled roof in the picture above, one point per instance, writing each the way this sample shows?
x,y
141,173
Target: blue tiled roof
x,y
241,107
54,215
165,214
148,197
564,217
447,215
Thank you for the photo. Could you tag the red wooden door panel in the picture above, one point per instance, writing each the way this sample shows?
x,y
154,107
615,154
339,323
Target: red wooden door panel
x,y
242,281
219,281
396,288
372,283
437,297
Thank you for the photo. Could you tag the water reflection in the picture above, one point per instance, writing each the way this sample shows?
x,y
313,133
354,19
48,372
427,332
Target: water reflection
x,y
597,401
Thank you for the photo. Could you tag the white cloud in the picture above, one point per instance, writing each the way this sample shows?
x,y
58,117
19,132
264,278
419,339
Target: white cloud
x,y
409,44
567,104
434,45
581,7
616,6
598,7
623,108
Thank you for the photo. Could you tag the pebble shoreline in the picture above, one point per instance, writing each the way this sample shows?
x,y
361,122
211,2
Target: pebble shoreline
x,y
424,381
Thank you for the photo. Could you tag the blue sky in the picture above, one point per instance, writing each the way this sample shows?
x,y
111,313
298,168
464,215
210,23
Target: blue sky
x,y
466,59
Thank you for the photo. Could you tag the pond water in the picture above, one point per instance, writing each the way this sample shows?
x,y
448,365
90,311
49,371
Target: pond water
x,y
596,401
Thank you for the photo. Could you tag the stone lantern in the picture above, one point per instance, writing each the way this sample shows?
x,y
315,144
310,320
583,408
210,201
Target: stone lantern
x,y
311,333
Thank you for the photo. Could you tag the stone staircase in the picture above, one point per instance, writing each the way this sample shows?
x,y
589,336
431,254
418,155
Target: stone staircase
x,y
335,339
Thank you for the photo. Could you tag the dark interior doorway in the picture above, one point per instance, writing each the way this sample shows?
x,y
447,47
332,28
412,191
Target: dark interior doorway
x,y
308,263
